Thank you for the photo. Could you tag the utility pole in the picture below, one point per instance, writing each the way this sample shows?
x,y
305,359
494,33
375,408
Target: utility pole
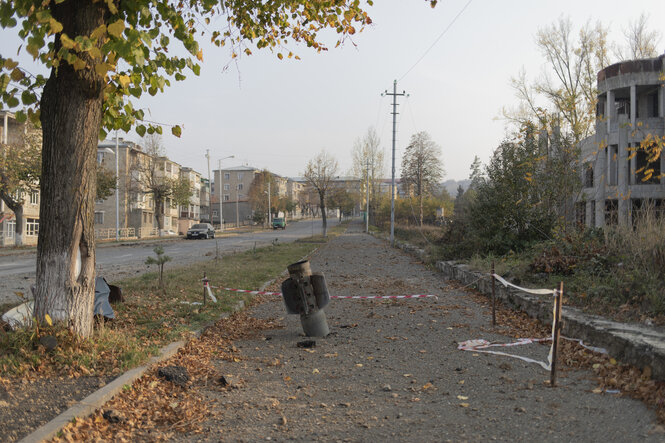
x,y
209,187
367,208
392,182
117,185
269,211
237,199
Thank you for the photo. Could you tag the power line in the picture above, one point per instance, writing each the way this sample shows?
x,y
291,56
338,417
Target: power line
x,y
437,39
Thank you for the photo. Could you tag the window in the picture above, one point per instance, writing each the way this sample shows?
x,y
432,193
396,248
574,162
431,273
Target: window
x,y
167,222
32,227
99,217
239,186
644,168
226,197
588,175
227,176
623,106
240,174
168,167
34,198
10,228
226,186
214,213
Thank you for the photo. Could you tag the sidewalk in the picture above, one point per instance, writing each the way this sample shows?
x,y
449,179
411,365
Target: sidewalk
x,y
390,370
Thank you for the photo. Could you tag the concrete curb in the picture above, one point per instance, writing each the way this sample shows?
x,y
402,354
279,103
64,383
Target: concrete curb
x,y
98,398
638,345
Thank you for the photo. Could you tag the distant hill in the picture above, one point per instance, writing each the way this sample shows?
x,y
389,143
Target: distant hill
x,y
452,185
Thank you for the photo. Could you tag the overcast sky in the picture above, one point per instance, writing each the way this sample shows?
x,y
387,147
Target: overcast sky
x,y
278,114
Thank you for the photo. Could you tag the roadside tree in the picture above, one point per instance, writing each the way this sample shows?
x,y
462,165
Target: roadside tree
x,y
102,56
343,200
149,176
258,195
422,168
319,173
368,164
640,41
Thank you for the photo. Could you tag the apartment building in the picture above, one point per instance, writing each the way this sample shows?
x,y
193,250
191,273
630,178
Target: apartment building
x,y
190,214
138,173
13,133
234,183
631,108
134,209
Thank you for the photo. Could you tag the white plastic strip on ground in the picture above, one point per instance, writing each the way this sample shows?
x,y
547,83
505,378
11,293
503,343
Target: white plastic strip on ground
x,y
212,297
527,290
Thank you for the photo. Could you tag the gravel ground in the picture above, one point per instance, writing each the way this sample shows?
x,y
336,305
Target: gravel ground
x,y
390,370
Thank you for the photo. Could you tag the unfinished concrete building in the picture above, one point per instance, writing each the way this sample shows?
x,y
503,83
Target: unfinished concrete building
x,y
631,107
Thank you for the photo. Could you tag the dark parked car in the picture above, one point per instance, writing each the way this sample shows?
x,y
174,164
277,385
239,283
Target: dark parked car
x,y
201,230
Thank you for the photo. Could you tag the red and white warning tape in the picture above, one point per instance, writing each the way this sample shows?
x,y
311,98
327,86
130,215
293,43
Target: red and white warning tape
x,y
383,296
332,296
246,291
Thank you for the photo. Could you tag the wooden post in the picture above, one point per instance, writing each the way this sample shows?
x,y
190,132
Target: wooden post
x,y
205,287
558,300
493,297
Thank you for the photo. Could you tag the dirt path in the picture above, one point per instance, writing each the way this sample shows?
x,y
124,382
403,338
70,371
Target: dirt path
x,y
390,370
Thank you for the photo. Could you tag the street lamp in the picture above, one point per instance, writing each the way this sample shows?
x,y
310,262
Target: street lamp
x,y
237,215
221,217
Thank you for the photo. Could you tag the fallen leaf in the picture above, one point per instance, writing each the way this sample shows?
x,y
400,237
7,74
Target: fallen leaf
x,y
315,371
462,397
464,405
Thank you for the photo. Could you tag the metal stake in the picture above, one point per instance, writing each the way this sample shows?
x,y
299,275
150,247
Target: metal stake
x,y
558,300
493,297
205,287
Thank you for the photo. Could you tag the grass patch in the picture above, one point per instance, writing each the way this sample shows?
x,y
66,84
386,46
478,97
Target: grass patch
x,y
150,317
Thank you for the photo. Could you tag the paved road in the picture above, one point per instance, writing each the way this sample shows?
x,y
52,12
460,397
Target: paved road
x,y
17,271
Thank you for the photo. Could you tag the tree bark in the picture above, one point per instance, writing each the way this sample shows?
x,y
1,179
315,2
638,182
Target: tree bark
x,y
71,113
159,213
324,220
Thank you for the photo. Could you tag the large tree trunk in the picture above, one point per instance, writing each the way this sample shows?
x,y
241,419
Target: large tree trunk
x,y
421,210
18,230
324,219
159,214
71,113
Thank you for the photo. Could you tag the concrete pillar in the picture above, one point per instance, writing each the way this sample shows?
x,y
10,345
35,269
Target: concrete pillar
x,y
633,106
610,110
622,173
661,102
632,168
589,218
599,182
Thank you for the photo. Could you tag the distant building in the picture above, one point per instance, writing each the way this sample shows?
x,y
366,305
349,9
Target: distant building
x,y
11,133
191,213
631,106
234,183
